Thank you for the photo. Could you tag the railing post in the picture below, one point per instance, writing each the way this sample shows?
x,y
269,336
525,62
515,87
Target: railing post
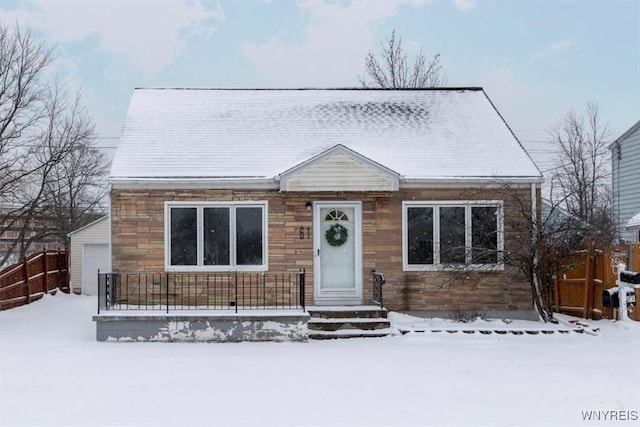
x,y
378,281
236,290
302,288
167,292
99,291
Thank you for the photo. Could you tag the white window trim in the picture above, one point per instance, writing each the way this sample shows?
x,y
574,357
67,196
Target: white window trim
x,y
436,204
200,206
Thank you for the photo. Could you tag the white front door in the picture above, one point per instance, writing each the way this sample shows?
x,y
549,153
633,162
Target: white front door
x,y
338,253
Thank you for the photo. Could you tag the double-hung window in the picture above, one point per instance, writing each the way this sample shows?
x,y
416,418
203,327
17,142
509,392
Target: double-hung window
x,y
448,234
216,236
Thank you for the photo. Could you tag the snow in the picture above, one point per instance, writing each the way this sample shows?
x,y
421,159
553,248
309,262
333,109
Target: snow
x,y
54,373
258,134
634,221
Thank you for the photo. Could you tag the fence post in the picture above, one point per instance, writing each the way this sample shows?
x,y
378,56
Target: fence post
x,y
590,273
25,277
633,257
64,255
556,294
45,282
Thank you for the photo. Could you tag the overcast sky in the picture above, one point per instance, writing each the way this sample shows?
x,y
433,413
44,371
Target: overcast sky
x,y
536,59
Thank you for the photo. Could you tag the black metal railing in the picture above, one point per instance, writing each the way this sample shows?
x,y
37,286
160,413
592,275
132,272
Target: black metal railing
x,y
201,291
378,282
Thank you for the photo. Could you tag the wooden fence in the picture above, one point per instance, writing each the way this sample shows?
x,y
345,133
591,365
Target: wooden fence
x,y
41,273
584,275
633,258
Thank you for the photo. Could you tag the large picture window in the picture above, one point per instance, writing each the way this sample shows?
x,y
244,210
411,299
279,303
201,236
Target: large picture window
x,y
216,236
441,235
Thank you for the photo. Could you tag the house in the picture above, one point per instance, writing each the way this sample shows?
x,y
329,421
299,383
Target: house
x,y
88,254
625,183
337,183
21,238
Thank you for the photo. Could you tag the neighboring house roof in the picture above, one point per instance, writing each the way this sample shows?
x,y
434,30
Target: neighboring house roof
x,y
91,224
634,221
625,135
191,134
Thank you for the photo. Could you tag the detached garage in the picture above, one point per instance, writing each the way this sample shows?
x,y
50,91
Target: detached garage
x,y
89,253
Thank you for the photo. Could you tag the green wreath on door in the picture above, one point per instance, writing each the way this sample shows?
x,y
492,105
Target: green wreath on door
x,y
337,235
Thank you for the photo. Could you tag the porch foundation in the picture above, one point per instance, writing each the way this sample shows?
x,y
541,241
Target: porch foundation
x,y
200,327
472,314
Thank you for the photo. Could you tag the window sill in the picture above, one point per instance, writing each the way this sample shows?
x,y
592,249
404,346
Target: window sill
x,y
215,269
455,267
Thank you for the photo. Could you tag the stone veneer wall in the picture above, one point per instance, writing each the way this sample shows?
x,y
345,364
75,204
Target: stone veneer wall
x,y
138,228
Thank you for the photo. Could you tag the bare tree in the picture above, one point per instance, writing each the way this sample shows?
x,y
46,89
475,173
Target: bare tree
x,y
22,106
540,241
40,132
392,70
75,187
581,178
538,238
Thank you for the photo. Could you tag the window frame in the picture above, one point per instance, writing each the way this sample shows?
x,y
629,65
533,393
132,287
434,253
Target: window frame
x,y
200,206
436,205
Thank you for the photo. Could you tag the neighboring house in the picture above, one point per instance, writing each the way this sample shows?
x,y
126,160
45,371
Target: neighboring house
x,y
625,175
336,181
35,237
88,253
632,228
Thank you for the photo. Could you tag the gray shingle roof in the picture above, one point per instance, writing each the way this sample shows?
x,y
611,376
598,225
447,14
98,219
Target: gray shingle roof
x,y
253,133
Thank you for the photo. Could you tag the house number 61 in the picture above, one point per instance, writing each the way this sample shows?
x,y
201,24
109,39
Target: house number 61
x,y
302,232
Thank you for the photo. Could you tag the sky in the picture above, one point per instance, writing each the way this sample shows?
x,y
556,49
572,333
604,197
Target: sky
x,y
536,59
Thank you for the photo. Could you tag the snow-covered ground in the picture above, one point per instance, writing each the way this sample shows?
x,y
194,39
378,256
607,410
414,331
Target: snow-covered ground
x,y
54,373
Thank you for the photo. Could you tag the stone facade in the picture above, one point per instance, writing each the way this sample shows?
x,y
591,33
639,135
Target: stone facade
x,y
138,235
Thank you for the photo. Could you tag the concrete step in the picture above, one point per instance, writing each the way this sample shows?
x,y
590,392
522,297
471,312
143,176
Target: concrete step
x,y
359,312
334,324
347,322
348,333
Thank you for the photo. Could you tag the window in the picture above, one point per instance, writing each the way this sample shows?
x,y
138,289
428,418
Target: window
x,y
448,234
216,236
336,215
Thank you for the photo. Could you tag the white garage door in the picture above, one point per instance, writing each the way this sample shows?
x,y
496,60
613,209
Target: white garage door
x,y
95,257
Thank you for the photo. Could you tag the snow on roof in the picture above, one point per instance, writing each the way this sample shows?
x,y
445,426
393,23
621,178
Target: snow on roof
x,y
634,221
628,133
91,224
260,133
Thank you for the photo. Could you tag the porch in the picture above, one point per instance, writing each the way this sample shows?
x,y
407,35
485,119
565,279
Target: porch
x,y
224,307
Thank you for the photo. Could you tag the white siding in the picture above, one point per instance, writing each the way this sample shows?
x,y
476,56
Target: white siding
x,y
96,233
95,257
339,172
626,182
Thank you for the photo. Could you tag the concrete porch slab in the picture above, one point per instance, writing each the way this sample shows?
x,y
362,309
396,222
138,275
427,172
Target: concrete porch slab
x,y
258,325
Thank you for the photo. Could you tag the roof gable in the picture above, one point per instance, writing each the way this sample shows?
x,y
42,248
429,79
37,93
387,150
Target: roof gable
x,y
634,222
628,133
339,169
90,225
218,134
